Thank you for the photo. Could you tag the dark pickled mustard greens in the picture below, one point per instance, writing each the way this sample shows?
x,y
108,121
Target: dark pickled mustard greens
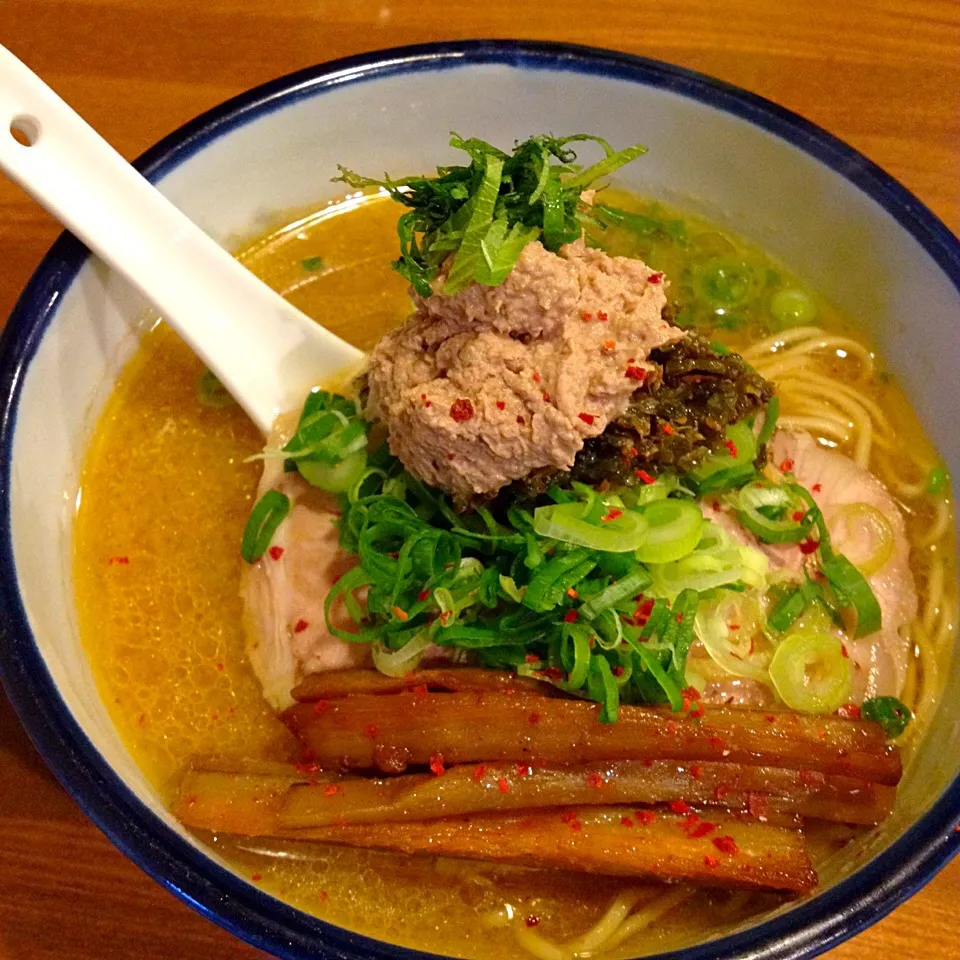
x,y
676,419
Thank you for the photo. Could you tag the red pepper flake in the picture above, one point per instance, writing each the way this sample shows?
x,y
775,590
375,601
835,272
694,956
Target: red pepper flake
x,y
849,711
798,515
697,712
534,718
808,546
422,595
501,405
536,376
644,476
702,829
142,719
679,617
822,734
656,277
635,373
711,862
503,785
672,727
571,616
324,896
667,428
524,770
532,920
587,418
370,731
595,780
321,707
617,671
817,487
678,806
531,658
786,465
757,807
275,553
552,673
400,614
645,817
722,792
633,452
307,767
521,421
587,317
420,690
732,447
718,743
696,772
257,877
461,410
609,344
572,594
220,667
546,397
612,515
568,817
843,651
478,771
602,316
428,403
122,561
770,717
300,626
626,822
436,765
726,844
331,790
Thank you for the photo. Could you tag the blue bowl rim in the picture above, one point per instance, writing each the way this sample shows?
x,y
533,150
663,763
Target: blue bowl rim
x,y
803,932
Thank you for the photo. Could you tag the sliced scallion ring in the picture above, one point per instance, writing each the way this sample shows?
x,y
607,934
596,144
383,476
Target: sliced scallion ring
x,y
863,534
811,673
564,521
774,513
336,479
674,530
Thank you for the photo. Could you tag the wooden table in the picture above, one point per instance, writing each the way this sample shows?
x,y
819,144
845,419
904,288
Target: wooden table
x,y
884,76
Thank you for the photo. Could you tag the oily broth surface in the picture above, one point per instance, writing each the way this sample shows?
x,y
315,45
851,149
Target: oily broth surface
x,y
166,494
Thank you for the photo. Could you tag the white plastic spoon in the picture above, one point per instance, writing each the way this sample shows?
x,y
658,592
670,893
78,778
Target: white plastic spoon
x,y
264,351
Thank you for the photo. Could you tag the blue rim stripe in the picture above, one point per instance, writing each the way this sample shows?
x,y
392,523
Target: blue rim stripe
x,y
261,920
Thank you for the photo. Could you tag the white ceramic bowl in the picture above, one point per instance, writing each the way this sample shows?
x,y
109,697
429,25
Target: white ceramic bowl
x,y
832,216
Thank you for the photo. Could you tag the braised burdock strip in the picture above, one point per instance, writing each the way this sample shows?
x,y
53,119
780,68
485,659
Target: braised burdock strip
x,y
766,793
391,733
615,841
336,684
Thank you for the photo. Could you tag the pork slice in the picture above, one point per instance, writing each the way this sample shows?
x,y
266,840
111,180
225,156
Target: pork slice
x,y
284,593
881,659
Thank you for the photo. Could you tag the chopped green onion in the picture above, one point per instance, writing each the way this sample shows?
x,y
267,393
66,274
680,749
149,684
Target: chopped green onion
x,y
603,688
793,308
770,417
889,712
564,521
344,476
787,609
269,512
211,392
550,582
937,480
731,465
674,528
865,533
811,673
312,263
400,662
769,510
853,590
629,586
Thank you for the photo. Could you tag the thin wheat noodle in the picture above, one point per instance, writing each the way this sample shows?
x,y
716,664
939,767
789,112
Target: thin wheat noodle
x,y
941,525
648,915
814,425
933,595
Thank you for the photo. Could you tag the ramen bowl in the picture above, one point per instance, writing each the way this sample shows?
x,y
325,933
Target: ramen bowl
x,y
815,204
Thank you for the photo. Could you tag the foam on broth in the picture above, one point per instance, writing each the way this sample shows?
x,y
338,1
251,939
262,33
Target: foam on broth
x,y
166,493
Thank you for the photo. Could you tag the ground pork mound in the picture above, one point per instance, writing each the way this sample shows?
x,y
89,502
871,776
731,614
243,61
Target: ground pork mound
x,y
482,387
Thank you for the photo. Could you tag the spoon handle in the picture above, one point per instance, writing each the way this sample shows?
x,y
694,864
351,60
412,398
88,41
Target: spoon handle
x,y
264,351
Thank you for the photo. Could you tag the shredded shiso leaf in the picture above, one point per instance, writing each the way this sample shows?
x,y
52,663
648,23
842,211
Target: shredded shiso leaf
x,y
485,213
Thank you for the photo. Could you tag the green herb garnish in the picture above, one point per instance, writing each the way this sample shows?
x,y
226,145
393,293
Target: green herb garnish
x,y
889,712
312,263
266,516
211,392
484,214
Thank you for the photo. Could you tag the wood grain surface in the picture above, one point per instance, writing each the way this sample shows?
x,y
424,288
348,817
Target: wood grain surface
x,y
883,75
